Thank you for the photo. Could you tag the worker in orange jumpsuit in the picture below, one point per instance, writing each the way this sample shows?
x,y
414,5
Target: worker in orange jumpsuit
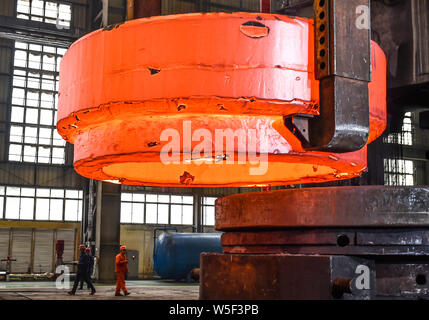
x,y
121,269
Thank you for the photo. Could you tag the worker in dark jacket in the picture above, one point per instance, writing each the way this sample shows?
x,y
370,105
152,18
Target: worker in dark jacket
x,y
90,269
121,269
82,271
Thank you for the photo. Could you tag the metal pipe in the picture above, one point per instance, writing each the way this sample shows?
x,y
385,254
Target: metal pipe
x,y
341,286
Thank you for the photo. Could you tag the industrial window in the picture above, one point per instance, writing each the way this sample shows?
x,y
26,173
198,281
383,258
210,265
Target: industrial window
x,y
40,204
182,210
398,172
33,136
209,211
156,209
45,11
405,137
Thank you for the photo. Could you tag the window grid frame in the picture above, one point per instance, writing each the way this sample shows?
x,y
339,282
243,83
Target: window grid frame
x,y
406,136
44,17
394,175
47,75
203,212
4,196
157,203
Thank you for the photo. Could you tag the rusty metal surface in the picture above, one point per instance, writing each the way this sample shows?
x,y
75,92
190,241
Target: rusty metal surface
x,y
343,66
343,124
330,250
382,242
225,276
345,41
280,276
402,280
377,206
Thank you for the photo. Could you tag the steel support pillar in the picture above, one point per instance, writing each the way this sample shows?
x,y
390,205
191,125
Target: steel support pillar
x,y
107,229
198,223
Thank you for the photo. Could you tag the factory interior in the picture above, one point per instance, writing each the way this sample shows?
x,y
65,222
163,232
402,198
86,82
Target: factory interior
x,y
238,149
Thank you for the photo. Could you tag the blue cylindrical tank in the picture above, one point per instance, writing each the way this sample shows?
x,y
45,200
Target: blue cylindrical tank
x,y
176,254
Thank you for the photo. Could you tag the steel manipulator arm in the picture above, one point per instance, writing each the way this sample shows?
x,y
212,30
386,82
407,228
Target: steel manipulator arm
x,y
343,68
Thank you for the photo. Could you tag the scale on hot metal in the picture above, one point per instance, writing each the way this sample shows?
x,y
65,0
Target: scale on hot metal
x,y
254,99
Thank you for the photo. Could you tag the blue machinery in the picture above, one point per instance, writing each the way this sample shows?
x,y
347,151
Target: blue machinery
x,y
175,255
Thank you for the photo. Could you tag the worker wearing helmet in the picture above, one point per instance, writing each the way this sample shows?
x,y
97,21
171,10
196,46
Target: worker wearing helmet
x,y
82,271
90,268
121,269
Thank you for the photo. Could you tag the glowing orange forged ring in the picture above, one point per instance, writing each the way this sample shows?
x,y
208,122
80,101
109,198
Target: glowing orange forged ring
x,y
138,93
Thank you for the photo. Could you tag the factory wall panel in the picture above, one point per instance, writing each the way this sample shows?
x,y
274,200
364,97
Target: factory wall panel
x,y
140,238
4,90
11,174
210,192
80,16
33,244
5,78
240,5
186,6
4,246
26,174
21,250
69,243
7,7
59,177
177,6
5,55
43,249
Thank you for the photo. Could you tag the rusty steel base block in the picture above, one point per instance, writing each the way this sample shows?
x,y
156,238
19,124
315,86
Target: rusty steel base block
x,y
280,276
284,276
315,243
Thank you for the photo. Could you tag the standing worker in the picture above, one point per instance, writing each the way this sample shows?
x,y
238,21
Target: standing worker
x,y
121,269
82,271
90,268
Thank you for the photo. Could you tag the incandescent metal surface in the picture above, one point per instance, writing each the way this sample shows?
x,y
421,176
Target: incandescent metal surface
x,y
123,87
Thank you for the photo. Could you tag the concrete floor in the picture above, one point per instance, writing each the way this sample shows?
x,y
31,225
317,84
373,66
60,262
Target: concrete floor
x,y
140,290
